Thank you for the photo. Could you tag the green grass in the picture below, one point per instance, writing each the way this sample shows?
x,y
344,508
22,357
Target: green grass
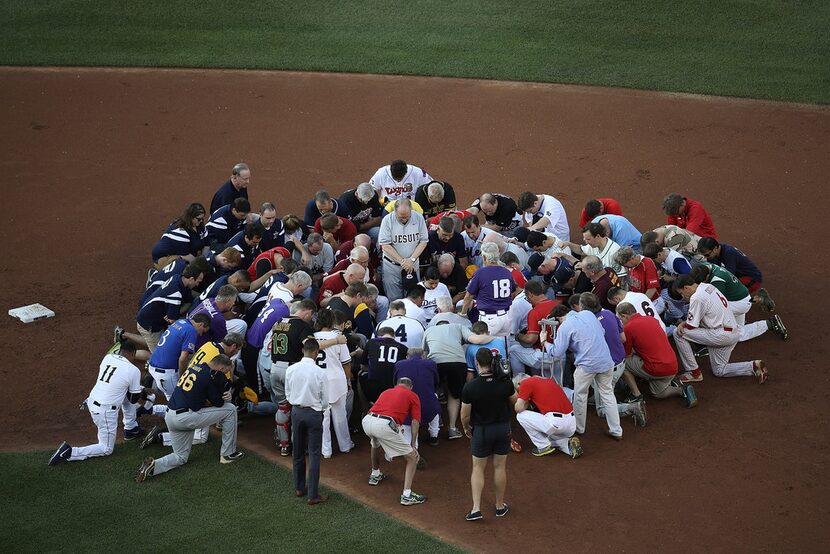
x,y
775,49
94,506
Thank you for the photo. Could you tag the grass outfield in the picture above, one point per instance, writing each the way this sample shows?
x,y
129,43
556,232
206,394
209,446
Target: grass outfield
x,y
775,49
94,506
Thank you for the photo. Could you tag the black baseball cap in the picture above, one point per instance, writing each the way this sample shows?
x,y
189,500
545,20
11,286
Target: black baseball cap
x,y
536,259
521,233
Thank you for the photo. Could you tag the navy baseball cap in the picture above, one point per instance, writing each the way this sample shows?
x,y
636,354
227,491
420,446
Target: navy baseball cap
x,y
536,259
521,233
562,274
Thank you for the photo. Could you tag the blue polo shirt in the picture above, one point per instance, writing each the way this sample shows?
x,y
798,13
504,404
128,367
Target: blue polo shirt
x,y
622,231
583,334
312,214
179,337
197,385
738,263
496,345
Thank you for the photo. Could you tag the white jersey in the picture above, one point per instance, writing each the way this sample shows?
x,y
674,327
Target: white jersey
x,y
116,377
415,312
643,305
709,309
408,331
606,256
264,359
520,252
431,297
278,290
332,359
473,247
391,189
554,250
518,313
552,209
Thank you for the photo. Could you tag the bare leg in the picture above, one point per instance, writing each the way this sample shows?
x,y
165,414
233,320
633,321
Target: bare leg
x,y
411,464
500,477
453,409
375,458
629,380
477,481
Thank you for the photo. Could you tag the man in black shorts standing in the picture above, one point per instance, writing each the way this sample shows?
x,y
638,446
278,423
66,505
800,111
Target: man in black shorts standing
x,y
486,405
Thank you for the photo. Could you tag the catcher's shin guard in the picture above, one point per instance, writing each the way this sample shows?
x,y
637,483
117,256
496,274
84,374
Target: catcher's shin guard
x,y
282,423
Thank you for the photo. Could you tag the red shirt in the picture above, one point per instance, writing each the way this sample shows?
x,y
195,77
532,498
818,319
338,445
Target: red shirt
x,y
268,255
610,206
645,336
398,403
539,312
696,219
333,284
546,394
518,278
460,213
346,232
644,277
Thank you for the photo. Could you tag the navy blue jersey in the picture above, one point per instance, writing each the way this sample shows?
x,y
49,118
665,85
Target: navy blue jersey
x,y
738,263
222,226
179,242
436,247
273,237
196,386
312,214
213,288
210,256
381,354
226,194
165,301
249,253
179,337
261,297
157,277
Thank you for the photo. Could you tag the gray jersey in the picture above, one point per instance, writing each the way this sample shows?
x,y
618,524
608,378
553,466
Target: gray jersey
x,y
445,343
450,317
322,262
403,238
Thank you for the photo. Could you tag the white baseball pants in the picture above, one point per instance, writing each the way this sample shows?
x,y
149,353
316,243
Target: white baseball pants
x,y
720,344
336,413
107,423
739,309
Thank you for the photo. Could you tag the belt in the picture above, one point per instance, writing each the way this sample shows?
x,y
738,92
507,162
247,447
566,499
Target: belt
x,y
182,410
95,403
500,312
383,417
266,370
161,369
388,259
557,414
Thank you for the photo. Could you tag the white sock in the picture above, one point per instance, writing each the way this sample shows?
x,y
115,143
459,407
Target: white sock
x,y
375,472
407,492
159,409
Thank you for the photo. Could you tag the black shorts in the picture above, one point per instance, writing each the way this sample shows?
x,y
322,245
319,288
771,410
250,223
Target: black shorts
x,y
493,438
455,375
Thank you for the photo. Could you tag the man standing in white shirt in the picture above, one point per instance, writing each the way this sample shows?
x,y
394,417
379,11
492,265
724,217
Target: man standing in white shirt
x,y
118,386
306,391
544,213
398,180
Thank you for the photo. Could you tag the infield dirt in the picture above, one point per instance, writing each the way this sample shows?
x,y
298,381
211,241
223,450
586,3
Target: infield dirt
x,y
96,162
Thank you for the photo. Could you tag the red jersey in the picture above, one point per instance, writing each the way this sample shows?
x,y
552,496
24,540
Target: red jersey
x,y
696,219
346,232
645,336
609,206
602,285
267,255
460,213
546,394
539,312
644,277
398,403
333,284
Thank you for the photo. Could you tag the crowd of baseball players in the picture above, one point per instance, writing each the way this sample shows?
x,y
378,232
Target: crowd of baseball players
x,y
392,311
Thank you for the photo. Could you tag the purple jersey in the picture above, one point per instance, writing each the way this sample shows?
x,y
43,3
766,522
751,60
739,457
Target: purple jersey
x,y
273,312
425,381
218,327
613,327
493,287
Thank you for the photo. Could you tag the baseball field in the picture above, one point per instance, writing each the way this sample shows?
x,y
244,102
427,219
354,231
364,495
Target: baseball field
x,y
117,115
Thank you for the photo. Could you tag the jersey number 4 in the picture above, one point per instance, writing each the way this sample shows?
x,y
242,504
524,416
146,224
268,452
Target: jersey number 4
x,y
107,374
400,332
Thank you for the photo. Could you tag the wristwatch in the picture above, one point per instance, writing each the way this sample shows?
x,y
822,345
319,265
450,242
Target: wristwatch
x,y
412,260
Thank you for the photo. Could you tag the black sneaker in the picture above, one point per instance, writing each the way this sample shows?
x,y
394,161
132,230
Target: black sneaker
x,y
134,433
501,512
776,325
433,441
231,458
474,516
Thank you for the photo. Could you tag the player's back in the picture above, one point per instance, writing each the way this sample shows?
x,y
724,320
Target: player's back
x,y
116,376
408,331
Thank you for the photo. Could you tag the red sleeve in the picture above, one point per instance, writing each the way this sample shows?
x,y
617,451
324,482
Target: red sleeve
x,y
583,219
414,406
652,280
317,228
675,220
348,232
627,343
533,322
518,278
525,389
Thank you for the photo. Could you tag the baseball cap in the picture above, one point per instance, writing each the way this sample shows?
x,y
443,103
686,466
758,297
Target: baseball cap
x,y
563,272
521,233
534,261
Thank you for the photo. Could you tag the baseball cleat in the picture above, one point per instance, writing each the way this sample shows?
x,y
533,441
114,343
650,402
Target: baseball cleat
x,y
134,433
473,516
690,396
613,436
145,470
575,446
501,512
776,325
640,414
767,303
117,334
285,450
454,433
433,441
61,455
231,458
539,452
375,480
693,376
153,436
412,499
759,368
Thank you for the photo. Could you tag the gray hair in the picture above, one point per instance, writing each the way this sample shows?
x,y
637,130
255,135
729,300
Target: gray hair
x,y
314,238
519,378
373,290
435,190
592,264
356,268
414,352
364,192
357,251
444,304
490,252
239,168
233,339
403,203
446,258
322,196
227,293
624,255
301,279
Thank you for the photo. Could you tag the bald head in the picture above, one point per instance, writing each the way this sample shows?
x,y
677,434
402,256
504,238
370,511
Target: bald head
x,y
355,273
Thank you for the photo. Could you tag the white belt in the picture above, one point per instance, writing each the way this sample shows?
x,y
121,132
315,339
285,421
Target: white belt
x,y
498,313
